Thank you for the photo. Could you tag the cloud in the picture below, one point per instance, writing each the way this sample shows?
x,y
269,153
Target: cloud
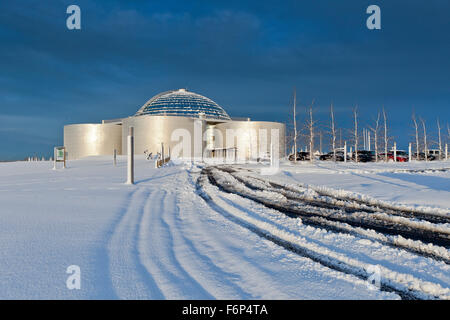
x,y
247,56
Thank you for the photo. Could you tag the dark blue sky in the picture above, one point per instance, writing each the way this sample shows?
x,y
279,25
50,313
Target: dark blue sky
x,y
245,55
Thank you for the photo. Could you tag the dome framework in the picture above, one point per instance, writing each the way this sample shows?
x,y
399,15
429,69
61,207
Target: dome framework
x,y
183,103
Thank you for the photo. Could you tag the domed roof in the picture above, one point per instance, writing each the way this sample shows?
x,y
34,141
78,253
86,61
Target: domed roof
x,y
183,103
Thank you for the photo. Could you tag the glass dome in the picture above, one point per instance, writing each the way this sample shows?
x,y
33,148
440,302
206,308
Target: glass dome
x,y
183,103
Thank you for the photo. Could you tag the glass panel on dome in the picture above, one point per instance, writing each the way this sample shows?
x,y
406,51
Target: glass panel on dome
x,y
183,103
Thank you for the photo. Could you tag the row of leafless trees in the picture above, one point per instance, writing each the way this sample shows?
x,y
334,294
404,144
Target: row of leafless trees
x,y
379,130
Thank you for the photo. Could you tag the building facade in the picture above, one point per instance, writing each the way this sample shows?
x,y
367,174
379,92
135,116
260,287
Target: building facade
x,y
186,123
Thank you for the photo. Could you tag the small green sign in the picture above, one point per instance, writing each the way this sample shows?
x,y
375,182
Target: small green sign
x,y
60,154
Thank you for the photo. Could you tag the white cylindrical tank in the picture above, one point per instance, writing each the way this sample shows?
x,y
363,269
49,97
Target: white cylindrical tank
x,y
172,131
82,140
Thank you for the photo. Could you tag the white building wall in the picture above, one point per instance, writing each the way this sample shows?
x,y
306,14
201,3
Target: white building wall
x,y
82,140
175,132
252,138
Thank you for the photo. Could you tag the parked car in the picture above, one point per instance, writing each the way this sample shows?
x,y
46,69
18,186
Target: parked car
x,y
363,156
382,156
301,156
374,156
402,156
434,153
429,157
329,156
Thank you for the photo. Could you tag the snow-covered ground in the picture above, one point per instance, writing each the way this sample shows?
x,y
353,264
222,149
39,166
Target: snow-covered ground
x,y
174,235
416,183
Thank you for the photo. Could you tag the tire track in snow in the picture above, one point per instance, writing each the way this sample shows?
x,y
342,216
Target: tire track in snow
x,y
222,273
380,222
341,242
158,252
435,215
347,203
199,265
253,277
144,261
129,278
407,286
317,220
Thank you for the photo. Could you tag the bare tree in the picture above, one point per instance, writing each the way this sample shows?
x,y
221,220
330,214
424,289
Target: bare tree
x,y
448,139
417,135
320,142
386,158
333,133
425,146
310,126
448,133
355,133
439,137
375,131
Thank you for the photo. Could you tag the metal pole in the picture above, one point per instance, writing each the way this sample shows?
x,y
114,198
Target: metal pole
x,y
162,154
115,157
446,151
410,152
130,150
395,151
54,161
345,151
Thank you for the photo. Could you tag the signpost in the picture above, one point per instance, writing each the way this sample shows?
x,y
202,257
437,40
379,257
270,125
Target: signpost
x,y
59,156
130,151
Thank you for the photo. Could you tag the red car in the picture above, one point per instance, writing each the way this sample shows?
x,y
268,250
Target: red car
x,y
402,156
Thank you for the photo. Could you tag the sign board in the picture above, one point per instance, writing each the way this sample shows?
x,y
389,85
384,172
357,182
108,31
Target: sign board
x,y
60,156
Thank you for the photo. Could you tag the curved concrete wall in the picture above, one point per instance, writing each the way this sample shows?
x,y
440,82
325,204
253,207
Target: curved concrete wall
x,y
151,131
252,138
82,140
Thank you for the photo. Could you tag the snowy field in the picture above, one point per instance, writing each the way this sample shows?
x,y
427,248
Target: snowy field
x,y
201,232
